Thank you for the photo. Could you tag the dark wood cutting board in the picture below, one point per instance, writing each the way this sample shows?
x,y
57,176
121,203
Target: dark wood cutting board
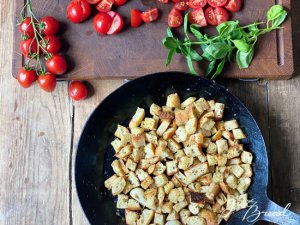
x,y
135,52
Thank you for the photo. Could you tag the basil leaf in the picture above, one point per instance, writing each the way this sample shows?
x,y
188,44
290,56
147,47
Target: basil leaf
x,y
279,20
230,56
217,50
190,65
210,67
196,32
170,42
185,24
183,50
219,69
253,29
169,32
207,57
244,59
195,56
274,12
236,34
241,45
170,56
226,28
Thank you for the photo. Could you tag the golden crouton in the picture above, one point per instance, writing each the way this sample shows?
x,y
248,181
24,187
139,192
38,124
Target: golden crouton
x,y
122,202
231,125
173,101
124,152
222,146
243,185
147,182
161,180
109,182
187,102
117,145
232,181
118,185
117,168
180,205
159,169
131,217
168,187
131,165
133,205
169,133
173,145
154,109
162,127
219,110
237,170
146,163
176,195
149,124
159,219
185,162
182,134
137,154
246,157
195,220
137,118
171,167
167,207
191,125
146,217
181,117
172,216
194,172
238,134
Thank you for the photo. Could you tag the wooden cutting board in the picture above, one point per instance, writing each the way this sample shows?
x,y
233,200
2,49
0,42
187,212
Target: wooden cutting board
x,y
135,52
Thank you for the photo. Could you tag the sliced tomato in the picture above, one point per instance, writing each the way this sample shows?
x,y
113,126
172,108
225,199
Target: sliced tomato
x,y
197,17
221,15
105,5
217,3
163,1
150,15
234,5
102,23
175,18
92,2
119,2
195,4
210,16
117,23
135,18
182,5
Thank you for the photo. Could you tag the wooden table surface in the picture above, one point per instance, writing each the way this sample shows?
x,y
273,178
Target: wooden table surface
x,y
39,134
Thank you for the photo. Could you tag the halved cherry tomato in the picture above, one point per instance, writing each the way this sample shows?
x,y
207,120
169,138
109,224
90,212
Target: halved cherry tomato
x,y
197,17
163,1
182,5
217,3
78,11
56,64
221,15
50,25
117,23
26,77
52,44
135,18
78,90
92,2
102,23
175,18
210,16
26,28
120,2
234,5
105,5
29,47
47,82
150,15
195,4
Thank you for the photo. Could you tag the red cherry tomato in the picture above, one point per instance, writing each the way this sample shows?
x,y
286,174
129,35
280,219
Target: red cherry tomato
x,y
102,23
197,17
234,5
78,90
26,77
50,25
56,64
163,1
105,5
78,11
47,82
26,28
135,18
195,4
217,3
175,18
210,16
52,44
221,15
175,1
182,5
29,48
120,2
150,15
92,2
117,23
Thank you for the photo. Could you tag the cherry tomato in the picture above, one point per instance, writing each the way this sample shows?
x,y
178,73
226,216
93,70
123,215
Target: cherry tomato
x,y
105,5
217,3
102,23
234,5
26,77
195,4
135,18
197,17
92,2
221,15
117,23
29,47
78,11
52,44
182,5
120,2
50,25
210,16
56,64
47,82
26,28
163,1
150,15
175,18
78,90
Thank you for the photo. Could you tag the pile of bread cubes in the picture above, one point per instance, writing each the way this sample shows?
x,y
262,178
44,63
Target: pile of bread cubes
x,y
183,165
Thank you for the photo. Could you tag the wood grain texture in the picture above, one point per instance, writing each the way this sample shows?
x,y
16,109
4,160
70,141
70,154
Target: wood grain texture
x,y
135,52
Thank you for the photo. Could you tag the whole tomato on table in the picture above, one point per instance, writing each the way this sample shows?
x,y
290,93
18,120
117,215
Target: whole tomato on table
x,y
49,25
47,82
78,90
26,77
78,11
56,64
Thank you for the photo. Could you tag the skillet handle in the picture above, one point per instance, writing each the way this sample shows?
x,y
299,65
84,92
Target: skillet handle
x,y
274,213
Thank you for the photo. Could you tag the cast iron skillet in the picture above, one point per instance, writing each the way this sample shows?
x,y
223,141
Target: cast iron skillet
x,y
94,153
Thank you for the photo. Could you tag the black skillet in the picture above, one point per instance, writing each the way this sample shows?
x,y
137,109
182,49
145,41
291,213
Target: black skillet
x,y
94,153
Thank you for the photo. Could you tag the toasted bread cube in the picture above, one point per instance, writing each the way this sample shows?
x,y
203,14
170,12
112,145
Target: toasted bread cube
x,y
173,222
219,110
137,130
172,216
212,104
128,187
133,179
184,214
209,216
176,195
195,220
173,145
206,179
141,174
150,197
220,125
181,133
243,185
123,166
146,217
109,182
191,125
234,161
192,151
131,165
122,202
117,145
180,153
222,146
171,167
180,205
222,159
183,179
206,142
237,170
159,169
121,131
126,139
146,163
247,170
196,139
194,172
226,214
246,157
225,188
176,182
118,186
160,195
138,140
203,104
117,168
165,153
149,151
151,169
242,202
149,124
133,205
212,148
185,162
169,133
159,219
168,187
137,154
217,135
131,217
124,152
167,207
162,127
154,109
232,181
173,101
188,102
181,117
212,159
238,134
221,199
161,180
231,125
147,182
194,208
137,118
151,137
231,203
218,177
206,123
234,152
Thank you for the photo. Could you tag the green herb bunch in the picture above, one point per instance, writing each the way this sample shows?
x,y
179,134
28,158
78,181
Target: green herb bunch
x,y
217,50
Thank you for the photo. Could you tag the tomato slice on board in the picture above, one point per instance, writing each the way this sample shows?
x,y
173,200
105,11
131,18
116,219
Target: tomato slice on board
x,y
197,17
175,18
135,18
217,3
117,23
234,5
221,15
195,4
150,15
92,2
119,2
105,5
102,23
182,5
210,16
